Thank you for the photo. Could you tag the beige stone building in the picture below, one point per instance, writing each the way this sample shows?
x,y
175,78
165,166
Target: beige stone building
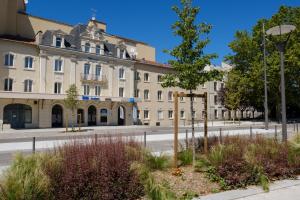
x,y
117,78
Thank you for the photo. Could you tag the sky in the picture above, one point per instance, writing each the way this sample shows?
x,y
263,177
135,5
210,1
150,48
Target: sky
x,y
150,20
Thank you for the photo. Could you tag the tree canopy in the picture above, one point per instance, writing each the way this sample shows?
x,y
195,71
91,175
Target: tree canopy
x,y
245,83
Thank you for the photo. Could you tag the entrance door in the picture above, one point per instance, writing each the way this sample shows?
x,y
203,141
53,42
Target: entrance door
x,y
17,115
121,116
57,116
92,112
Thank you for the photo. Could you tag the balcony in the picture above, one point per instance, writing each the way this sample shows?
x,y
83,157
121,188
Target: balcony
x,y
93,79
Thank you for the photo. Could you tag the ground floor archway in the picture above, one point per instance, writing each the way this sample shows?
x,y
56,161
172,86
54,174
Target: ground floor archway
x,y
57,116
92,116
17,115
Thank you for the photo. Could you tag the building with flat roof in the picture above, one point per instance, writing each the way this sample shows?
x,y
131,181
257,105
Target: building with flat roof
x,y
118,79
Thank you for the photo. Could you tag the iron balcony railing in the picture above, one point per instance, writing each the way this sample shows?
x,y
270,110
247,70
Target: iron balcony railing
x,y
93,78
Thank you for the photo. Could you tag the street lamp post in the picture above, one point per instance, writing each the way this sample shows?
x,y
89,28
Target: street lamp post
x,y
279,31
265,81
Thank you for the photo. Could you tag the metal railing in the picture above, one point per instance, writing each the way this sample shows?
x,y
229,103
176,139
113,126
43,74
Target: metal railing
x,y
93,78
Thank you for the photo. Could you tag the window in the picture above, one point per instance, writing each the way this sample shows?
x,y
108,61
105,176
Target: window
x,y
9,60
222,85
121,92
194,114
146,94
86,90
146,114
122,54
216,99
58,65
160,115
159,78
28,86
182,114
8,84
138,114
137,76
223,114
216,114
87,68
87,47
57,88
98,70
146,77
97,90
98,49
137,93
170,114
28,62
27,114
159,95
215,86
181,99
58,42
121,73
170,96
103,115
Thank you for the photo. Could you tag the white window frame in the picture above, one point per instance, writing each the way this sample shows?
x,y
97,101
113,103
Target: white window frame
x,y
98,67
121,94
172,115
97,90
121,73
13,60
61,67
159,77
146,114
85,47
61,41
148,94
26,63
136,93
182,116
160,115
28,85
148,79
8,84
86,90
170,97
159,95
59,90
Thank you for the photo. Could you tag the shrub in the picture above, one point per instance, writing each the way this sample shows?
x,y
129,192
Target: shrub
x,y
185,157
241,161
25,179
153,190
156,162
98,169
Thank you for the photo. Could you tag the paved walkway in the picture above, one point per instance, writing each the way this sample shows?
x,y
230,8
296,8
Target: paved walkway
x,y
279,190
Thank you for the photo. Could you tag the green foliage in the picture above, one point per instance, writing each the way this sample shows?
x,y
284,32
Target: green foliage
x,y
185,157
25,179
188,195
156,162
153,190
244,86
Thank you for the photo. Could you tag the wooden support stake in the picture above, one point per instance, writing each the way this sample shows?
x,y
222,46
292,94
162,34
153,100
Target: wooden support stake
x,y
145,139
205,124
276,132
186,139
79,122
220,137
67,119
33,145
175,128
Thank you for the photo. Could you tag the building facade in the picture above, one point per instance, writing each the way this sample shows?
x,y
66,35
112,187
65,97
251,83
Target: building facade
x,y
117,78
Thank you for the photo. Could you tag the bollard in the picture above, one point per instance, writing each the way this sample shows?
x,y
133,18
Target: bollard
x,y
276,132
220,138
145,139
33,145
251,132
186,139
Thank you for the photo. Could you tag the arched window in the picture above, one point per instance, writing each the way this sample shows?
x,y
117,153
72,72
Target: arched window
x,y
87,47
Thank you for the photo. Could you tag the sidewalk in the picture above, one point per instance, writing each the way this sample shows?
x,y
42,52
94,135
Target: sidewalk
x,y
279,190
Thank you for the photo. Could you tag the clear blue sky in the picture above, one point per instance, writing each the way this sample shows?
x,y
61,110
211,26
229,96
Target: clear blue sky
x,y
150,20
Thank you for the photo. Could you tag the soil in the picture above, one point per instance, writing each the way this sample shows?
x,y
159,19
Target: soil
x,y
189,182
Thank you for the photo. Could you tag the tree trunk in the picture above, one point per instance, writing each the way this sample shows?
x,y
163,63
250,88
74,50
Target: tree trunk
x,y
193,128
73,120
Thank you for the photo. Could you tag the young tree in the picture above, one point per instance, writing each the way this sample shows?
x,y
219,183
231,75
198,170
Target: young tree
x,y
189,57
71,102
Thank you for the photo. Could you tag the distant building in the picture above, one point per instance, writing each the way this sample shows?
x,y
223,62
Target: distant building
x,y
118,78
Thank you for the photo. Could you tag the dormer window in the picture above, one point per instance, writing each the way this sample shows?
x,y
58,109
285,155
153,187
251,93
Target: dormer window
x,y
58,42
87,47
